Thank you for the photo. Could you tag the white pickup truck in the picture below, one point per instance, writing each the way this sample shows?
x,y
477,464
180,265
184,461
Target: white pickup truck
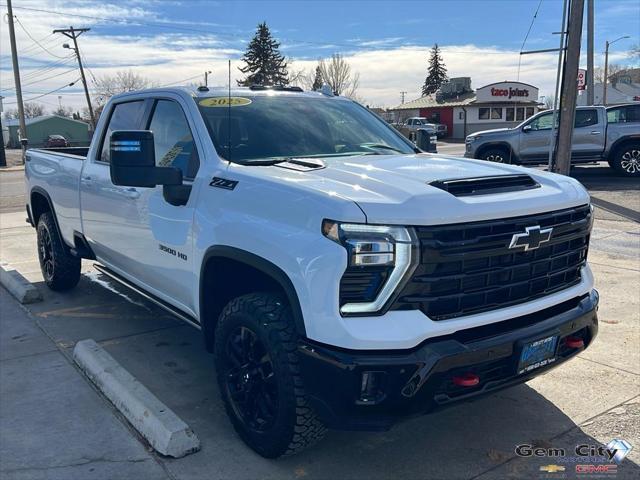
x,y
341,278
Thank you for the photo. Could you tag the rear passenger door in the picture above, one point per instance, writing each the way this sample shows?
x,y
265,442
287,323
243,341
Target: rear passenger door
x,y
588,135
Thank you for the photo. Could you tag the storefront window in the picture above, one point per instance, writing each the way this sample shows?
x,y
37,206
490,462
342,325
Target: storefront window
x,y
484,113
509,114
519,114
530,112
496,114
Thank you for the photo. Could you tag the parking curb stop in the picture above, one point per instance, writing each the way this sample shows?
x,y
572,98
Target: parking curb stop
x,y
19,286
158,424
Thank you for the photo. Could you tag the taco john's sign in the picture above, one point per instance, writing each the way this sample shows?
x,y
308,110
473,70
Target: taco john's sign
x,y
507,91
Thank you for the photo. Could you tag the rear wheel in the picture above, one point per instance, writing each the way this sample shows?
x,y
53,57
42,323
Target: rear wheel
x,y
259,376
627,160
495,154
60,269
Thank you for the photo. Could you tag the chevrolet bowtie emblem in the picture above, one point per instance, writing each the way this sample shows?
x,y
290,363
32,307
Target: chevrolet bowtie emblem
x,y
531,239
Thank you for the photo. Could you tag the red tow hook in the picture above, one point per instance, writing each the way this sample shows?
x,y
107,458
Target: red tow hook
x,y
467,380
574,342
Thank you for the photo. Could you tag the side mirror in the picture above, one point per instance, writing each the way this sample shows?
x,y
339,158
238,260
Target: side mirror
x,y
133,162
526,128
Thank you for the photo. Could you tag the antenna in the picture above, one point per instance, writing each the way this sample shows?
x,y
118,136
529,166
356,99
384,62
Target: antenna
x,y
229,116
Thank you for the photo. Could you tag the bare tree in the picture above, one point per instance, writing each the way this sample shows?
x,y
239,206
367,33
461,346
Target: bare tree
x,y
548,102
32,110
634,52
613,70
63,112
123,81
336,72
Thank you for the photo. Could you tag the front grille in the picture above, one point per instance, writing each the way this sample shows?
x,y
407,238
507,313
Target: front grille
x,y
469,268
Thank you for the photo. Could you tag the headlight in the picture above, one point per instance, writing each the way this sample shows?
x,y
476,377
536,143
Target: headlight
x,y
473,139
379,259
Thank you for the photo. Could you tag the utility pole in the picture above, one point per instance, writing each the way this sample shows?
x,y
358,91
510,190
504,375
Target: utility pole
x,y
16,80
569,90
3,157
73,34
590,92
206,78
606,68
402,94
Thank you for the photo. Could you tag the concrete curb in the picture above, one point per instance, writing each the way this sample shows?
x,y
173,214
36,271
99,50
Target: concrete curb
x,y
19,286
162,428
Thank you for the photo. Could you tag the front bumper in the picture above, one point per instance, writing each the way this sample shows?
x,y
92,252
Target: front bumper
x,y
371,390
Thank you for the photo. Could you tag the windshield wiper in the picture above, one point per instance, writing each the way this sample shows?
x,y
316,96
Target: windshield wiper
x,y
382,146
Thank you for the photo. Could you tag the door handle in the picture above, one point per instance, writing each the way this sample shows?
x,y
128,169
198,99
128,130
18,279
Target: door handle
x,y
87,180
595,132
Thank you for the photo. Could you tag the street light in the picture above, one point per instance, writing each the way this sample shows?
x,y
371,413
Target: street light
x,y
606,67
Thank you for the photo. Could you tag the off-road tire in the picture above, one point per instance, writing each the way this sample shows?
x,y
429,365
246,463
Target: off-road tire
x,y
295,425
496,154
626,160
60,269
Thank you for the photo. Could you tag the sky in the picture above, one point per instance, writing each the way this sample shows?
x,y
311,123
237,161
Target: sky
x,y
387,42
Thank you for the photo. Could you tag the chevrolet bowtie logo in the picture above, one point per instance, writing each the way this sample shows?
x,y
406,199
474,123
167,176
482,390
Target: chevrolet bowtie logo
x,y
552,468
531,239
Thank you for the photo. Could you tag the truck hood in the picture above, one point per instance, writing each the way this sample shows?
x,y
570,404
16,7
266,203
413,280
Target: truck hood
x,y
489,132
395,189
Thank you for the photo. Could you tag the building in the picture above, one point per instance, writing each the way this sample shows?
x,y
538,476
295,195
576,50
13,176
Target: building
x,y
623,87
39,128
465,111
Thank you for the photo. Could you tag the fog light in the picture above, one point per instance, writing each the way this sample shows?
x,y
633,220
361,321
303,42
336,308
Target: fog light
x,y
466,380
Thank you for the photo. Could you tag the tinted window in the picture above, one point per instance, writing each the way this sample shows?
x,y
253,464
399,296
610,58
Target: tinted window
x,y
172,139
616,115
124,116
633,114
585,118
543,122
484,113
264,127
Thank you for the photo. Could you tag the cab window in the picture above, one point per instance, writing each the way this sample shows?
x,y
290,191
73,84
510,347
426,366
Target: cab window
x,y
585,118
124,116
543,122
172,139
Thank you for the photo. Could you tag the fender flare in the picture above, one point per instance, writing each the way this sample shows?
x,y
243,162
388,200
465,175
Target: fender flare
x,y
620,141
43,192
261,264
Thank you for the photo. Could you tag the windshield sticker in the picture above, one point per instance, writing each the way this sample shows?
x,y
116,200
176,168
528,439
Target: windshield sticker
x,y
224,101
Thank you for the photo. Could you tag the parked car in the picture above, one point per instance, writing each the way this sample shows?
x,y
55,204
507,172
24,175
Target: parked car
x,y
594,139
341,278
410,128
441,130
56,141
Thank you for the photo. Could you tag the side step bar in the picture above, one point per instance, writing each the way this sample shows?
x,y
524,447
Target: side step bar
x,y
185,317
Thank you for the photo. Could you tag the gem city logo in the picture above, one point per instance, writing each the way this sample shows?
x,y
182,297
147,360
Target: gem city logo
x,y
587,460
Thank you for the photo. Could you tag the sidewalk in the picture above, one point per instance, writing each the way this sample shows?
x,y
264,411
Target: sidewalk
x,y
53,424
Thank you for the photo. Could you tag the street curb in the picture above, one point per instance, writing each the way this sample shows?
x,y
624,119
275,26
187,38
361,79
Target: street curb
x,y
15,168
19,286
162,428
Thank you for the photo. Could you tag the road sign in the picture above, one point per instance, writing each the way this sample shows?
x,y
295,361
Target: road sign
x,y
582,79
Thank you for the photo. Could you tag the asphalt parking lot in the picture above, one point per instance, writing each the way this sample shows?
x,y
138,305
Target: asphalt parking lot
x,y
48,407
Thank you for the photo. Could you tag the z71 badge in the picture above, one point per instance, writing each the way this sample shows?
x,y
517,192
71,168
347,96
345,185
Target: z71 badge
x,y
223,183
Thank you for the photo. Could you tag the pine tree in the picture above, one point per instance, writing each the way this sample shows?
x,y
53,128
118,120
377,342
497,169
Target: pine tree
x,y
264,63
317,81
436,73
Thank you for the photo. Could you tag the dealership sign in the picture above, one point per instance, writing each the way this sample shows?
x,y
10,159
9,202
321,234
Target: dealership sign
x,y
582,79
507,91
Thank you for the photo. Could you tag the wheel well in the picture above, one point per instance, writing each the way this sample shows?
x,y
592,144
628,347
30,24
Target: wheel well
x,y
499,146
615,148
224,278
39,205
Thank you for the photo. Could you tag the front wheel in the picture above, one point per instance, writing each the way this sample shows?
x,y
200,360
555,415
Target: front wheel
x,y
627,160
259,376
60,269
498,155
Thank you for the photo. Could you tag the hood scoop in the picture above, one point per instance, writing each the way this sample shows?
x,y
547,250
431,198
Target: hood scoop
x,y
466,187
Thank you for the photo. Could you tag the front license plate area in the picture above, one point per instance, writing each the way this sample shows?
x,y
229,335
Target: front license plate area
x,y
537,354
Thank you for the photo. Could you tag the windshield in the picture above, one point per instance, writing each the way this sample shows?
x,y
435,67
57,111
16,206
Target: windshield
x,y
282,126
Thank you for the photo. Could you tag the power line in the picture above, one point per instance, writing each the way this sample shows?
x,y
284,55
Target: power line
x,y
48,93
535,15
181,81
34,40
